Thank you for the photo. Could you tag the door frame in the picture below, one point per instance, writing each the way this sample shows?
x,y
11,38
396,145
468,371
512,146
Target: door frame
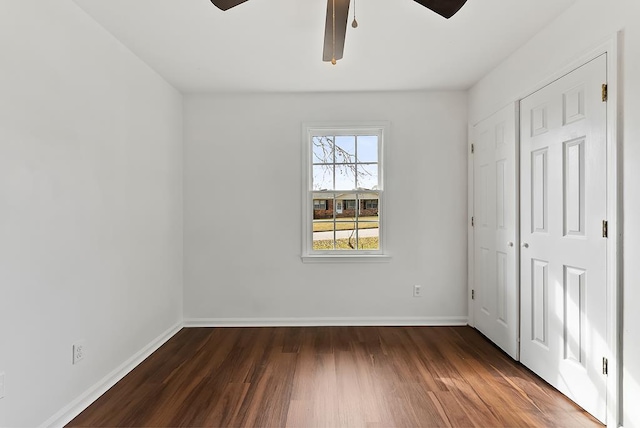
x,y
610,47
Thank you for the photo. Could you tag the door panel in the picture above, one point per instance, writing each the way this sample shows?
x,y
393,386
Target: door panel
x,y
563,253
495,307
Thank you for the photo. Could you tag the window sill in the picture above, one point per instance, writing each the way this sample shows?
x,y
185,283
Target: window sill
x,y
355,258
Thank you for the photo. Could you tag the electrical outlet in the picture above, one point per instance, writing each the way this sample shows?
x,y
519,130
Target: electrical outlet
x,y
2,385
78,352
417,290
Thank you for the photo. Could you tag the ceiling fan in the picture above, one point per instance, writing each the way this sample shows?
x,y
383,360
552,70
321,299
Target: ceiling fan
x,y
336,23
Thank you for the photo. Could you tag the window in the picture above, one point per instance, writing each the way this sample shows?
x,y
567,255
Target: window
x,y
319,204
371,204
344,170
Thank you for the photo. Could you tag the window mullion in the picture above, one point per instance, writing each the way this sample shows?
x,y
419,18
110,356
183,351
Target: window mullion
x,y
355,151
333,245
335,207
355,217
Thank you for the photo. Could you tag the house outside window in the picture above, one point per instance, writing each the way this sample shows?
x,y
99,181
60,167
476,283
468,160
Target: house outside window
x,y
344,169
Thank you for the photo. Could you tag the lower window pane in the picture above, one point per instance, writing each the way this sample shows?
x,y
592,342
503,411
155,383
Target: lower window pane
x,y
344,222
369,235
323,234
346,236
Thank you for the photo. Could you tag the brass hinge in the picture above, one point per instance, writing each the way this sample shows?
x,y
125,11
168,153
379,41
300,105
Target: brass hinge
x,y
605,366
473,149
605,94
473,294
605,229
473,222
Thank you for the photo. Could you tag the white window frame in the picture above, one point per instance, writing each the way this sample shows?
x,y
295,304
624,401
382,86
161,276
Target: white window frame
x,y
309,130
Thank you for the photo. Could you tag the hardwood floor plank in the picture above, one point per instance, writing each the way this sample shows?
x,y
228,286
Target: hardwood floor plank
x,y
292,339
331,377
355,391
450,409
226,410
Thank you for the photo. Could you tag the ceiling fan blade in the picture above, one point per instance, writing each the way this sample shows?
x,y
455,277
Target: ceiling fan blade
x,y
342,11
446,8
226,4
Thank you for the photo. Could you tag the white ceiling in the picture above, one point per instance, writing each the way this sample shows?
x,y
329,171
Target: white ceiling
x,y
276,45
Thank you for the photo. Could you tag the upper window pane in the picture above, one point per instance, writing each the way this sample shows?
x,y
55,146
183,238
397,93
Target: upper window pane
x,y
345,176
323,177
323,149
345,150
368,148
367,176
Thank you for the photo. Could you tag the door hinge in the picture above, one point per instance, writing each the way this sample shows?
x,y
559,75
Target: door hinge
x,y
473,222
605,366
473,294
473,149
605,229
605,92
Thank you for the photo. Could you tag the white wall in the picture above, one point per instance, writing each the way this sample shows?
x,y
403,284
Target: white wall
x,y
243,210
90,206
580,29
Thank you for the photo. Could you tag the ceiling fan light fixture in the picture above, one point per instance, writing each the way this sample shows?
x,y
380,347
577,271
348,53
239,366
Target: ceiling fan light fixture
x,y
334,35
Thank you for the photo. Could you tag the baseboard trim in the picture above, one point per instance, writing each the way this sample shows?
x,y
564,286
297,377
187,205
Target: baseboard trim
x,y
317,322
73,409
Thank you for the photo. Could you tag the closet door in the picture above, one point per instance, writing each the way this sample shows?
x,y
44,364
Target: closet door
x,y
495,252
563,255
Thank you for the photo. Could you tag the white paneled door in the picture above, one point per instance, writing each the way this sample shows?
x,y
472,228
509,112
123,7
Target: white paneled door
x,y
563,266
495,304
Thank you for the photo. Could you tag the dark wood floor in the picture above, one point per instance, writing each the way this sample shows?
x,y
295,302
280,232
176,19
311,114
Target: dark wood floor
x,y
331,377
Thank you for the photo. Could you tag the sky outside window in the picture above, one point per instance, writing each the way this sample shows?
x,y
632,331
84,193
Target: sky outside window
x,y
345,162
